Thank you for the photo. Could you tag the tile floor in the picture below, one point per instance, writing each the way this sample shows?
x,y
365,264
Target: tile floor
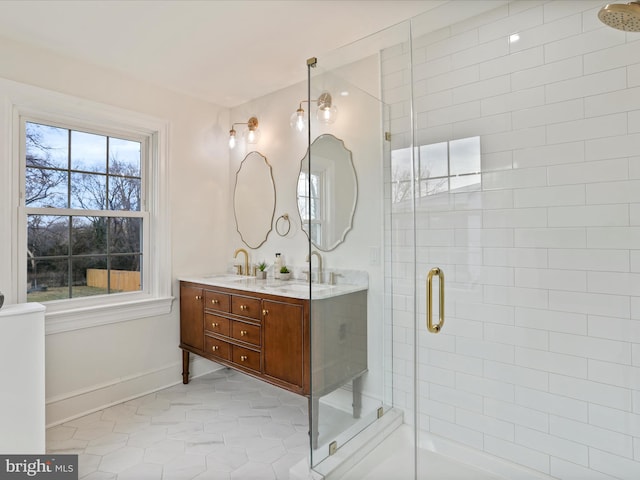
x,y
224,425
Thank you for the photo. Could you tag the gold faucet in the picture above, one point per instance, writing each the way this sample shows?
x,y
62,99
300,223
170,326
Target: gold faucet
x,y
308,259
246,260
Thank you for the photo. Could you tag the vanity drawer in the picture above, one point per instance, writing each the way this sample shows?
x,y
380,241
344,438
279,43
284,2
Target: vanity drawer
x,y
246,332
246,358
246,306
216,324
216,301
217,348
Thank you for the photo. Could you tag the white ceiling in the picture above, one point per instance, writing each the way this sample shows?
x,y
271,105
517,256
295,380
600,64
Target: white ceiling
x,y
226,52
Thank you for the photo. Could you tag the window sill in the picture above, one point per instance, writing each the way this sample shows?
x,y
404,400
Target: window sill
x,y
95,315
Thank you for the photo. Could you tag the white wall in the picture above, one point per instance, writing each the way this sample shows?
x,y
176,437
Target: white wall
x,y
539,360
92,367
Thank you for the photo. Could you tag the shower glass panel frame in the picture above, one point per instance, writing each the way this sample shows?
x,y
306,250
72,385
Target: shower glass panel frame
x,y
341,413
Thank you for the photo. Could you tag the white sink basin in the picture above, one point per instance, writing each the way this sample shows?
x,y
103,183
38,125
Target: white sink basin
x,y
227,277
304,288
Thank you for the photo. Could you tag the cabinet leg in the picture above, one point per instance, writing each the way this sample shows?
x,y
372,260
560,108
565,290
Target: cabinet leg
x,y
185,367
357,397
314,413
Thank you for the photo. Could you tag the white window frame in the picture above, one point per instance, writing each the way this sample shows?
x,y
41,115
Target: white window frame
x,y
320,221
46,107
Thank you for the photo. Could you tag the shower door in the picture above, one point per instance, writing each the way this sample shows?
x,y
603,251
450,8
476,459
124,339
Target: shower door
x,y
451,282
478,263
436,211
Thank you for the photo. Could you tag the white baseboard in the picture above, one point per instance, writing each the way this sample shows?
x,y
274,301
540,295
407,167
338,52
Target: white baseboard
x,y
63,408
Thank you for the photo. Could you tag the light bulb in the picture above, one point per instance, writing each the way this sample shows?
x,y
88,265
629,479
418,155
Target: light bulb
x,y
253,135
327,114
297,120
232,138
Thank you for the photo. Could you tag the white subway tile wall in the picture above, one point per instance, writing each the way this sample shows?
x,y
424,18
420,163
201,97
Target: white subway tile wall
x,y
539,359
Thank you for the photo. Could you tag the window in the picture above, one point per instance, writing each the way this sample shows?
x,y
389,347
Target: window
x,y
84,207
91,193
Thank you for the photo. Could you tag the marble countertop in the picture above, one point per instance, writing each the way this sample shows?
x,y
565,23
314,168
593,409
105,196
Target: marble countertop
x,y
285,288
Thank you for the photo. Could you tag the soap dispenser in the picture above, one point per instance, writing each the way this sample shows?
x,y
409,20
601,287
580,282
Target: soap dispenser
x,y
277,264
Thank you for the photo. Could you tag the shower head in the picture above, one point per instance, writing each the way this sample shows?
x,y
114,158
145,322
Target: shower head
x,y
621,16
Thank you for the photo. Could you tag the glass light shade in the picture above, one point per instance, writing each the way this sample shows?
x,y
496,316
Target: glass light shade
x,y
232,139
297,120
327,114
253,135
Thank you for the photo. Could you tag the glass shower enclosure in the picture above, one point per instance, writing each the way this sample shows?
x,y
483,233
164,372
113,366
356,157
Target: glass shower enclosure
x,y
497,221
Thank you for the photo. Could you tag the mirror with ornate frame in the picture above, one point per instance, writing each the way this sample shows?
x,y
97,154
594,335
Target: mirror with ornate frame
x,y
327,195
254,199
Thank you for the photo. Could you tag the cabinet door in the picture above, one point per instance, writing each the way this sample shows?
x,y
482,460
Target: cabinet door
x,y
284,342
191,316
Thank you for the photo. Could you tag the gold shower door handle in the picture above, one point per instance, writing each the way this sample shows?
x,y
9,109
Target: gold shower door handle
x,y
430,326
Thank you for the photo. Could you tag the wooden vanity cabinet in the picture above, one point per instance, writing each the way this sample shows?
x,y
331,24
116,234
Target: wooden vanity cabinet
x,y
259,334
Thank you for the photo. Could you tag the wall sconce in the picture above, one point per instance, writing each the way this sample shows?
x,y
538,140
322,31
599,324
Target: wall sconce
x,y
253,135
326,113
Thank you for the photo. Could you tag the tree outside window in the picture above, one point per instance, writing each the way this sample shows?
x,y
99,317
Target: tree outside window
x,y
83,195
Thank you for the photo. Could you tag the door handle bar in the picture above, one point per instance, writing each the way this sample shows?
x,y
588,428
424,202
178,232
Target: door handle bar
x,y
430,326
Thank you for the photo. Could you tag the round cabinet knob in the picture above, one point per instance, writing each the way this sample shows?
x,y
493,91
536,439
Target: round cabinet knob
x,y
243,307
198,297
215,325
215,301
243,358
215,348
243,333
265,312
